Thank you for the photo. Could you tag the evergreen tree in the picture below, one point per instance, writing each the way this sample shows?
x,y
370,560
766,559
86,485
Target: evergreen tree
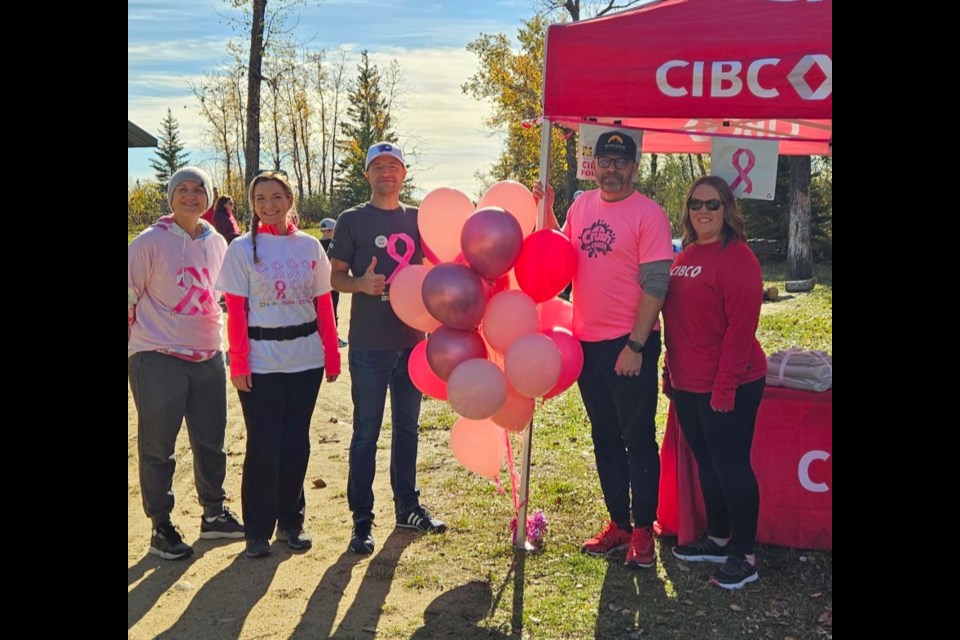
x,y
368,120
170,153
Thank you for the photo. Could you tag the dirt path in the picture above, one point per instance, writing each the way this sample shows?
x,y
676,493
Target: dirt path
x,y
219,593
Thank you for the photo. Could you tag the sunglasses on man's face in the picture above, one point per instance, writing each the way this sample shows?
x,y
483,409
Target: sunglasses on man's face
x,y
694,204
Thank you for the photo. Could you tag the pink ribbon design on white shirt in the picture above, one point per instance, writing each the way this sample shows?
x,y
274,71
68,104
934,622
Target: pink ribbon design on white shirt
x,y
281,287
402,260
743,171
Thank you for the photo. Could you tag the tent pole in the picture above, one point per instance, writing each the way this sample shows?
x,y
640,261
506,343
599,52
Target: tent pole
x,y
520,541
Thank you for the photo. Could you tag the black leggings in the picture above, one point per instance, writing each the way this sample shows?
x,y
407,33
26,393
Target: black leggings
x,y
721,444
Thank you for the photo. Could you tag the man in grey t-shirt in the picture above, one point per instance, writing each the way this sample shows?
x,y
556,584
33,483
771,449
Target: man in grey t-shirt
x,y
371,243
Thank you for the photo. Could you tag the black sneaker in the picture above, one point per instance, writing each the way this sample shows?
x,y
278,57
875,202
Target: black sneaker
x,y
420,519
225,525
735,573
258,548
296,539
167,542
702,550
361,539
341,343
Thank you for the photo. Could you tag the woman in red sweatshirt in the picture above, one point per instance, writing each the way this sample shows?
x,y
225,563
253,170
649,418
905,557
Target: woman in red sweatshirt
x,y
715,371
276,280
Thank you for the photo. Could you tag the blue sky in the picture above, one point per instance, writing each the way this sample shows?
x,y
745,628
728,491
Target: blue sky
x,y
170,42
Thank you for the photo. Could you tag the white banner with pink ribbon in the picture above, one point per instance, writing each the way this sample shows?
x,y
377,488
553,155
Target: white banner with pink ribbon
x,y
748,166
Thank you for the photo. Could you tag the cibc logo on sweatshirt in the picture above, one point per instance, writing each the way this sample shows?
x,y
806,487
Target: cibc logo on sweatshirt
x,y
686,271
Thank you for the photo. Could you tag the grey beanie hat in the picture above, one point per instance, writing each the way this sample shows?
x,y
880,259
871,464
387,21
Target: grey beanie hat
x,y
193,174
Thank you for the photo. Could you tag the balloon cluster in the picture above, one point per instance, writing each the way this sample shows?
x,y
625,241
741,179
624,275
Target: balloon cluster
x,y
498,335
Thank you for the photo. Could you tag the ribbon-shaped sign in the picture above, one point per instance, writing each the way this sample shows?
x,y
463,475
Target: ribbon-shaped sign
x,y
743,172
402,260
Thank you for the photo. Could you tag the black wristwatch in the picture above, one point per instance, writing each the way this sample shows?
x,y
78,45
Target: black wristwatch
x,y
636,347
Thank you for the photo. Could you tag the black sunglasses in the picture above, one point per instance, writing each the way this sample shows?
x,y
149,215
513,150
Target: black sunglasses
x,y
694,204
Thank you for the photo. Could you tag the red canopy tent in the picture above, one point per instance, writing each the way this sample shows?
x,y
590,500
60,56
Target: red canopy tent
x,y
683,70
688,70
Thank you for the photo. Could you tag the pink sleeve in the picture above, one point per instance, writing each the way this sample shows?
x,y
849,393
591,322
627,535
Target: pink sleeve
x,y
327,328
237,335
656,241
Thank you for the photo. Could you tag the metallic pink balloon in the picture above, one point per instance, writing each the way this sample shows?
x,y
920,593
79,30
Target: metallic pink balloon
x,y
446,348
491,240
453,294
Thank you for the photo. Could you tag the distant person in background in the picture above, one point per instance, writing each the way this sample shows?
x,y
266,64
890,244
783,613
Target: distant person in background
x,y
327,225
208,214
715,373
276,280
175,362
224,220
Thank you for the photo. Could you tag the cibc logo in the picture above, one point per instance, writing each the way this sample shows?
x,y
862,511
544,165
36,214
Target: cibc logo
x,y
803,471
726,78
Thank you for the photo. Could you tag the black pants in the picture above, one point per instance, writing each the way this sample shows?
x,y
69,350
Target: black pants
x,y
277,411
622,413
721,443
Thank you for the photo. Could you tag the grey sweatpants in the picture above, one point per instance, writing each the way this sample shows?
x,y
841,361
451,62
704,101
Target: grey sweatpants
x,y
167,390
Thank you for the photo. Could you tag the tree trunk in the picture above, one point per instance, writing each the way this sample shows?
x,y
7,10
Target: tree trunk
x,y
799,263
252,147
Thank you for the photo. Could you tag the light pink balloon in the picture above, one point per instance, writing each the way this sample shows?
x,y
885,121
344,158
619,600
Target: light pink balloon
x,y
441,216
448,347
556,312
571,355
516,412
532,364
478,445
508,315
514,198
476,389
422,376
406,298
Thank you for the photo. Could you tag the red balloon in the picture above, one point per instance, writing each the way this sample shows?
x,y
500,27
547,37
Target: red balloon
x,y
546,264
556,312
422,376
453,294
571,359
446,348
491,241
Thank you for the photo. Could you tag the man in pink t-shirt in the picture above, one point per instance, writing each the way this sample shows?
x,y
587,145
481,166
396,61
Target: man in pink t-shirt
x,y
623,242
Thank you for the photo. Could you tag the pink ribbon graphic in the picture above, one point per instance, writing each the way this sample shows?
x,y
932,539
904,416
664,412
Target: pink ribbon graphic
x,y
402,260
743,171
281,288
199,296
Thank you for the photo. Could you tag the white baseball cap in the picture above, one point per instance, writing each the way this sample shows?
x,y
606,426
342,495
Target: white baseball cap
x,y
383,148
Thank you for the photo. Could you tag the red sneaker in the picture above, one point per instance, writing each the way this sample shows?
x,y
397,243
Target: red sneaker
x,y
611,538
640,550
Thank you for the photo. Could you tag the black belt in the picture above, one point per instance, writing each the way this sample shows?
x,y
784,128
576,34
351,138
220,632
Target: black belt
x,y
282,333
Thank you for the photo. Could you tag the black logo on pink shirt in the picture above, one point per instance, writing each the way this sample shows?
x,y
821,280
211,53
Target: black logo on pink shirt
x,y
597,239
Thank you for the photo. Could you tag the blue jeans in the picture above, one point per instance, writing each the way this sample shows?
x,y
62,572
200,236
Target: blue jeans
x,y
373,372
622,413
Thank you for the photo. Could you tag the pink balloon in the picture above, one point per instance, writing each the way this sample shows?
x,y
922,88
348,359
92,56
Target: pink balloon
x,y
556,312
422,376
453,294
516,412
446,348
491,241
508,315
546,264
406,298
571,356
476,389
440,218
532,364
478,445
516,199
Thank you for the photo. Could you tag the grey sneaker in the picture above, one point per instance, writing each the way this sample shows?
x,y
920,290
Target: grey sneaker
x,y
361,539
167,542
420,520
296,539
702,550
225,525
258,548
